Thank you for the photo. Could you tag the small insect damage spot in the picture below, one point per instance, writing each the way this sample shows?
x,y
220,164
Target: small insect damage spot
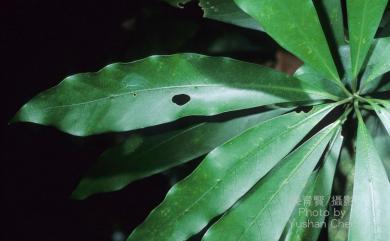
x,y
181,99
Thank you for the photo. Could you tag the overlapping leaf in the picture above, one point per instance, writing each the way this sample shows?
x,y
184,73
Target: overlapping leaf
x,y
378,64
263,212
303,225
370,213
140,157
364,17
228,12
294,24
225,175
160,89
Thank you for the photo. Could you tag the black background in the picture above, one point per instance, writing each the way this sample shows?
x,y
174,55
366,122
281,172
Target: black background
x,y
42,42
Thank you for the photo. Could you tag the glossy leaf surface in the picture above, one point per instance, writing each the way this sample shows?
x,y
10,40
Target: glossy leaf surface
x,y
124,164
227,11
225,175
263,212
303,226
364,17
294,24
370,213
378,64
161,89
334,16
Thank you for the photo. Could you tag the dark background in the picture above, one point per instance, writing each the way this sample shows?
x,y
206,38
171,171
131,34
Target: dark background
x,y
42,42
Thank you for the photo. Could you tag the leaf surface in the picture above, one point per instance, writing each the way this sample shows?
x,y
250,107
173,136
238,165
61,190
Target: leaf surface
x,y
294,24
227,11
320,185
161,89
364,17
370,211
123,164
264,211
378,64
225,175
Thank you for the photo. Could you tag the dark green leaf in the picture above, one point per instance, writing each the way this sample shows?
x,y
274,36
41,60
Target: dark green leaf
x,y
161,89
294,24
334,14
264,211
308,227
370,212
225,175
228,12
378,64
123,164
364,17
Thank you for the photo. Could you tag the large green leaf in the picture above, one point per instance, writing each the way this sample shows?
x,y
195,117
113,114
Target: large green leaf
x,y
227,11
160,89
123,164
303,225
364,17
370,212
225,175
384,115
378,64
294,24
263,212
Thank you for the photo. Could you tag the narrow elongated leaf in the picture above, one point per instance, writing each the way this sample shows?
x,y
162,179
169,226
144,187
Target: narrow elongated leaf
x,y
338,223
334,14
378,64
303,225
364,17
161,89
263,212
294,24
227,11
384,115
225,175
121,165
370,212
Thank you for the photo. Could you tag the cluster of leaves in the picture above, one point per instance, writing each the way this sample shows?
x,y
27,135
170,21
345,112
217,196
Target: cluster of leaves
x,y
260,163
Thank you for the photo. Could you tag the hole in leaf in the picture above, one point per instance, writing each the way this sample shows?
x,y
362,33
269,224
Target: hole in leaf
x,y
181,99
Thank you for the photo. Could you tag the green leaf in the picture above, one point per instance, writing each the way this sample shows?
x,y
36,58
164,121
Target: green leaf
x,y
123,164
378,64
320,185
294,24
308,74
364,17
161,89
227,11
383,114
334,15
263,212
225,175
338,224
370,211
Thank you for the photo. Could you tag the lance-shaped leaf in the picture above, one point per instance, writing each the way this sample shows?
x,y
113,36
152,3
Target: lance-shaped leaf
x,y
383,113
294,24
264,211
364,17
370,212
225,175
161,89
334,17
227,11
378,64
303,225
122,165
